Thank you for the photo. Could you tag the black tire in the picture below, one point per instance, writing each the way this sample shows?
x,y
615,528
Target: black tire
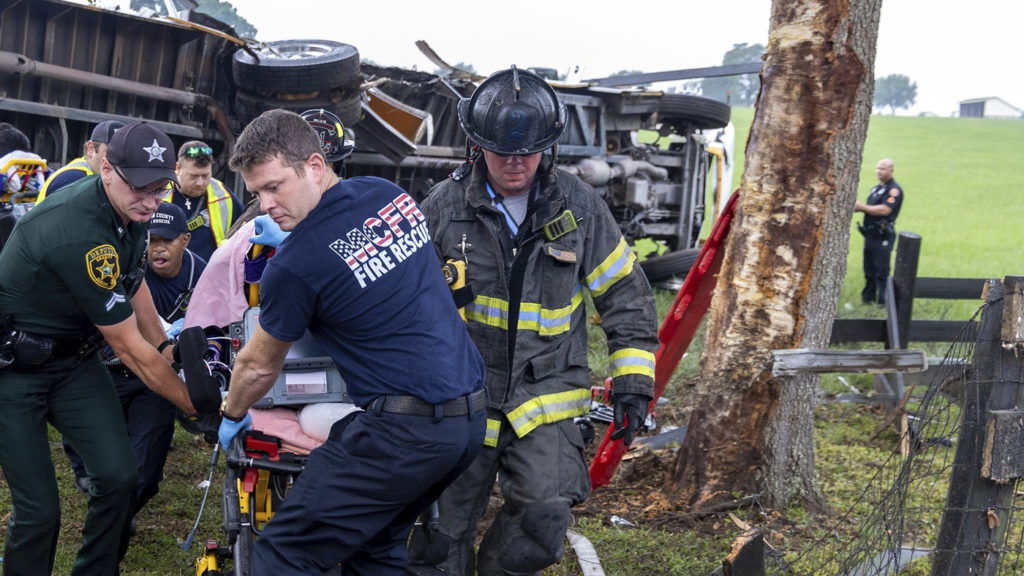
x,y
242,553
296,67
696,111
346,104
666,266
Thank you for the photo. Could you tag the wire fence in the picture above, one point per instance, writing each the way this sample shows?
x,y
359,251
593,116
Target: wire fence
x,y
929,510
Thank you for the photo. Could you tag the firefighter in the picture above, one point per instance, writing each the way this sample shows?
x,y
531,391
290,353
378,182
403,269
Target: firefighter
x,y
535,241
85,165
879,230
358,272
337,141
71,277
210,206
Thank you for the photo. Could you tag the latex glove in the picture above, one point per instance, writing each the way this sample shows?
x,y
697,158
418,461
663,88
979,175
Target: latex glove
x,y
228,430
630,413
174,329
268,232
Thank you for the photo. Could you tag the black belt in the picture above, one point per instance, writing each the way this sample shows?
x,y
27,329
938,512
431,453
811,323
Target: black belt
x,y
411,405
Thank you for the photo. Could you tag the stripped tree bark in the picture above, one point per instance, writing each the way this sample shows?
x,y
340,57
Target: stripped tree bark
x,y
785,258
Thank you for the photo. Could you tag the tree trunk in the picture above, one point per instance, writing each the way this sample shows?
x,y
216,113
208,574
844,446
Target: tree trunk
x,y
785,258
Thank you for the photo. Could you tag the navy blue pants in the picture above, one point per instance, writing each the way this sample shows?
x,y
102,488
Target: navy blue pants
x,y
150,420
361,491
877,255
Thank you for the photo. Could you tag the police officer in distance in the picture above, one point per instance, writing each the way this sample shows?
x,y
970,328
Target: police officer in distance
x,y
85,165
533,239
210,206
879,230
71,276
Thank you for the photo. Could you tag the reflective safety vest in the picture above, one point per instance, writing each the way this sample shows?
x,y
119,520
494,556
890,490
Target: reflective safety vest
x,y
221,206
80,164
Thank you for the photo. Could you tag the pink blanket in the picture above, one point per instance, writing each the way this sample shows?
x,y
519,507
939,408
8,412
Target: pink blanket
x,y
284,423
219,296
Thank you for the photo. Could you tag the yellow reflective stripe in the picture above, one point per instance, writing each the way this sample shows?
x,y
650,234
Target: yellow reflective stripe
x,y
548,409
549,322
80,164
546,322
615,267
632,361
489,311
491,435
221,208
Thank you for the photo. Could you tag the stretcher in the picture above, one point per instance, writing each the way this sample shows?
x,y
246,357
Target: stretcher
x,y
257,478
262,463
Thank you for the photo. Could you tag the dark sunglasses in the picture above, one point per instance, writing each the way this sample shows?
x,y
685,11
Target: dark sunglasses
x,y
197,151
158,188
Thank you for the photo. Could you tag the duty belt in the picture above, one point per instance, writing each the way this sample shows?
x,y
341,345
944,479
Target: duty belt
x,y
411,405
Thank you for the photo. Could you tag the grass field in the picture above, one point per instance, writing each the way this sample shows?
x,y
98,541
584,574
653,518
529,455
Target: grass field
x,y
964,181
964,185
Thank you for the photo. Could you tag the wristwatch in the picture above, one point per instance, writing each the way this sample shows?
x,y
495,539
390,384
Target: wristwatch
x,y
226,416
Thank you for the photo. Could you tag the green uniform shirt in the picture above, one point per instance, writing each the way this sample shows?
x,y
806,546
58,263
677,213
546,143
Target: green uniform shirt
x,y
63,269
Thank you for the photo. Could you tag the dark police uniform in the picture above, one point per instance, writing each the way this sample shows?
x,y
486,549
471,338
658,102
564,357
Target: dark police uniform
x,y
150,416
64,271
879,238
359,273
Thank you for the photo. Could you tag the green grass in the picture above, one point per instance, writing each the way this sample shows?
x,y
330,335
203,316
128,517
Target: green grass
x,y
964,197
962,178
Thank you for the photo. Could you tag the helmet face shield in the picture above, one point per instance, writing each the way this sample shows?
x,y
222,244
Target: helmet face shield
x,y
513,112
336,141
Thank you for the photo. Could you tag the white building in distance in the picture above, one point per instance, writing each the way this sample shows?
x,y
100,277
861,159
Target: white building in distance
x,y
990,107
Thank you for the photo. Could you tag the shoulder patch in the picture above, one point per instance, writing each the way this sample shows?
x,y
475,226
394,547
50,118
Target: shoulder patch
x,y
102,266
894,192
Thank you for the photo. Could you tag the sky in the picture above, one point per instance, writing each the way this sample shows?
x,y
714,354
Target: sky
x,y
954,50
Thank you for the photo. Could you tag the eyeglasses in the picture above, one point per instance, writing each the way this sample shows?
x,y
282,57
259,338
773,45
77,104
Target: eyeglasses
x,y
158,189
197,151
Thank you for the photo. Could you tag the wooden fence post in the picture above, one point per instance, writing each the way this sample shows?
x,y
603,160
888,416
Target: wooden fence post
x,y
747,555
908,253
975,519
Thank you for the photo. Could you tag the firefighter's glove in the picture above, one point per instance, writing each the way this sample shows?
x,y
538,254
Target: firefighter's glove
x,y
630,413
267,232
229,429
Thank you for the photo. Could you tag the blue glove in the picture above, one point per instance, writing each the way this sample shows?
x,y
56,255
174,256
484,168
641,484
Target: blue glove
x,y
268,232
228,430
175,328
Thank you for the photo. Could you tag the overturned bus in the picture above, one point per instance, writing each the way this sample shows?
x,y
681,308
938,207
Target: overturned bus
x,y
66,66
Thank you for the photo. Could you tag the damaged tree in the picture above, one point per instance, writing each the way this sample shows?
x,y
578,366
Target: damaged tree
x,y
785,259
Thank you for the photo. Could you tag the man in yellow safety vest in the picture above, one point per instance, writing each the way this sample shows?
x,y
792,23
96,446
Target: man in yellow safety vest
x,y
210,207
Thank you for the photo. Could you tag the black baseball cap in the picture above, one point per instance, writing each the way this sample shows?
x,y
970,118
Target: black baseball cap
x,y
142,154
168,221
104,131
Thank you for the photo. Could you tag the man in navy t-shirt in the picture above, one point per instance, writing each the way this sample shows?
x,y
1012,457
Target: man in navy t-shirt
x,y
173,269
358,271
